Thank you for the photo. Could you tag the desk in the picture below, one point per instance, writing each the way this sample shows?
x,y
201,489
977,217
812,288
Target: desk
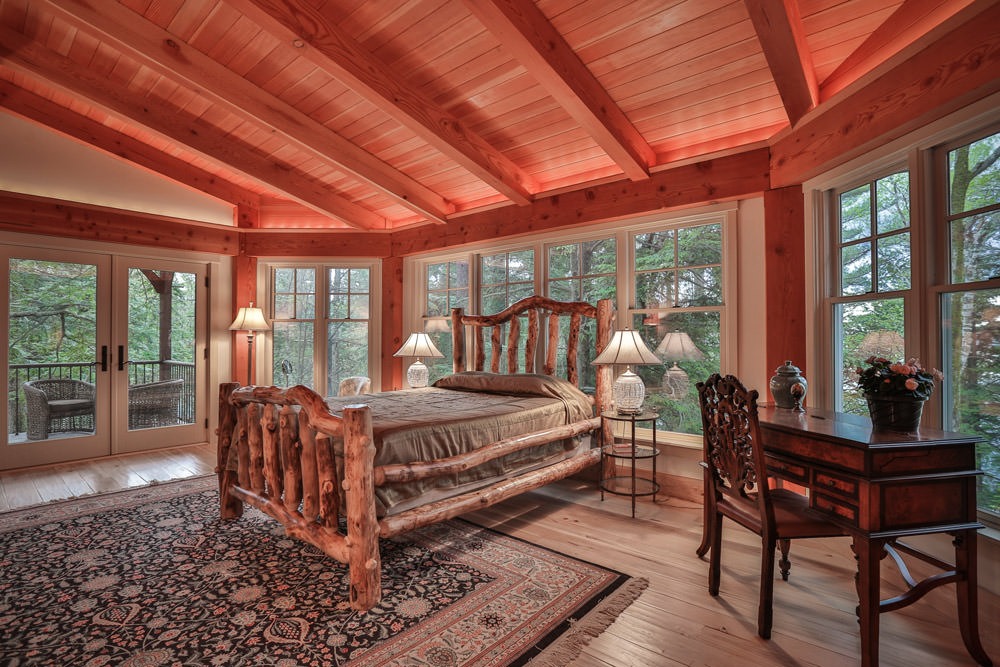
x,y
882,487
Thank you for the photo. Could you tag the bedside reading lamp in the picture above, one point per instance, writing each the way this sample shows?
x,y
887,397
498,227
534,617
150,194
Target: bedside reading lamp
x,y
677,346
251,320
626,347
418,345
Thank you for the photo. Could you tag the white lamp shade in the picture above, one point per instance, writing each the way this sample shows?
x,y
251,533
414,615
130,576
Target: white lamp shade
x,y
436,325
418,345
678,346
250,319
626,347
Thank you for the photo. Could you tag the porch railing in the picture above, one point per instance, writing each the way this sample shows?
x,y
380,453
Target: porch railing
x,y
139,372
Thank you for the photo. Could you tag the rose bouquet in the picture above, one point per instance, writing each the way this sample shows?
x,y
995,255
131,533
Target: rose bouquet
x,y
884,378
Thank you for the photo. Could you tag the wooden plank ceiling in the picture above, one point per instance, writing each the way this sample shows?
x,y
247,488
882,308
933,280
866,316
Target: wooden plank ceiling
x,y
381,114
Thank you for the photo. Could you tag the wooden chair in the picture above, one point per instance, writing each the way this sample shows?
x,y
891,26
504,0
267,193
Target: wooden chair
x,y
58,404
355,385
737,488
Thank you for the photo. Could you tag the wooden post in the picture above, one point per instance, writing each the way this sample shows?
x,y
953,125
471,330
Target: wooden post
x,y
289,436
362,524
256,448
329,496
272,453
229,506
310,475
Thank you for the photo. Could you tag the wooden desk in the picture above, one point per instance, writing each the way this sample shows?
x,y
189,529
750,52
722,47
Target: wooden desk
x,y
882,487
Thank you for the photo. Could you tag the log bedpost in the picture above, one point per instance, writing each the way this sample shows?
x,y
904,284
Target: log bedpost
x,y
362,524
229,506
602,391
288,433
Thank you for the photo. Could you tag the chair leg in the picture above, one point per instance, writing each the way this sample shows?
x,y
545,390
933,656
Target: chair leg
x,y
764,607
714,558
784,565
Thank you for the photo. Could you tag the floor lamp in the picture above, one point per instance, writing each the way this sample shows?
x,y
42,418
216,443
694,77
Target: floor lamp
x,y
251,320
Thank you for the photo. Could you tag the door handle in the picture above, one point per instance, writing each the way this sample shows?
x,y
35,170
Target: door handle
x,y
104,358
121,357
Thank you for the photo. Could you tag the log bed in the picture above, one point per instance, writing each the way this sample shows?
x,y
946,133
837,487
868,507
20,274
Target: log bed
x,y
278,448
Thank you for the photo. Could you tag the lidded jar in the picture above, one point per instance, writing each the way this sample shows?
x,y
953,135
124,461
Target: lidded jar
x,y
788,387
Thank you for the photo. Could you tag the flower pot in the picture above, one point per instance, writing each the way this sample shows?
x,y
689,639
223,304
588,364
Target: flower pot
x,y
895,413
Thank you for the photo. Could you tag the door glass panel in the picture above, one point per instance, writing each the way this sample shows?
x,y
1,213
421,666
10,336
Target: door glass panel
x,y
51,389
161,348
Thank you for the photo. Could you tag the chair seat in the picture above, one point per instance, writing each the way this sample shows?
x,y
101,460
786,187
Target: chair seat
x,y
70,403
794,518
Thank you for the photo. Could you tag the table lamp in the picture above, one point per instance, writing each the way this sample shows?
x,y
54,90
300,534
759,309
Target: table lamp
x,y
418,345
677,346
626,347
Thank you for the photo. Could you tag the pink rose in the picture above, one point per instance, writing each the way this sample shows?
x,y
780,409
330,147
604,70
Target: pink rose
x,y
911,384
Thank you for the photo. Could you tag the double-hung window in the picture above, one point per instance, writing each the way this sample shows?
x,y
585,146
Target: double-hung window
x,y
925,285
666,276
321,324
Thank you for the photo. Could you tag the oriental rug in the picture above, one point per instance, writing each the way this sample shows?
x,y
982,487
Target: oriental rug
x,y
153,577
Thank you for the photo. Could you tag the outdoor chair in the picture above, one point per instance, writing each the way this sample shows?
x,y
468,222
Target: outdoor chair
x,y
737,488
353,386
58,404
154,404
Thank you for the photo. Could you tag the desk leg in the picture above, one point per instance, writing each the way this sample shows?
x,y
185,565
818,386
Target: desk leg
x,y
869,554
966,589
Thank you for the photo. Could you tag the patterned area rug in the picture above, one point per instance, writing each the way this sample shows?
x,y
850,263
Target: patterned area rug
x,y
153,577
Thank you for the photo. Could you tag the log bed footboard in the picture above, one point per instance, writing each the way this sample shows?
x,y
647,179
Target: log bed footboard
x,y
276,453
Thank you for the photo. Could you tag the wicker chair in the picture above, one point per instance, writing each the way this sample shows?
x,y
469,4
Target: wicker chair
x,y
58,404
154,404
354,385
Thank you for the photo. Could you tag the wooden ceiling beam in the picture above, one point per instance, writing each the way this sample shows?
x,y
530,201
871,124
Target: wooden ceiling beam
x,y
167,54
114,143
536,44
708,181
912,21
31,214
35,61
327,46
779,30
940,77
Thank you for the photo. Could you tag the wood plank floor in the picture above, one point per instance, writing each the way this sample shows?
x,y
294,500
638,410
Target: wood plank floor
x,y
675,621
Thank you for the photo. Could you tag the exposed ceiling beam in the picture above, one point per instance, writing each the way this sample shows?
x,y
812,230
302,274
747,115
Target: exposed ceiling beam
x,y
779,30
27,56
167,54
322,41
948,74
536,44
911,21
102,137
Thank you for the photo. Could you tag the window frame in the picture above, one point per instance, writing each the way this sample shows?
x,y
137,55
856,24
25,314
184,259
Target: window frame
x,y
265,277
924,154
623,231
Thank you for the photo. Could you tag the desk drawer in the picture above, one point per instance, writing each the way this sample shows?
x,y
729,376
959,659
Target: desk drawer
x,y
793,472
836,507
832,484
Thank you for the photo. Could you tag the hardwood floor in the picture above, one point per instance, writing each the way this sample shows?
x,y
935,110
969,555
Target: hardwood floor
x,y
675,621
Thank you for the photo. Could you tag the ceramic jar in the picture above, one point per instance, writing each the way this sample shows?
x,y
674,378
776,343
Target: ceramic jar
x,y
788,387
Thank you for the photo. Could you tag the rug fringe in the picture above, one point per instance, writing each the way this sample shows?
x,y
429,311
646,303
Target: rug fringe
x,y
569,645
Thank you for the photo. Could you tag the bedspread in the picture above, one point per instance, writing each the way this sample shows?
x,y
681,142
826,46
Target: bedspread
x,y
461,412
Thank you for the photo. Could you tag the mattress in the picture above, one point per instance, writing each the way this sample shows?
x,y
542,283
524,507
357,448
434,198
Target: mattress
x,y
463,412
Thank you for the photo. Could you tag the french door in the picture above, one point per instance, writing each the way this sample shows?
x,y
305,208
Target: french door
x,y
105,354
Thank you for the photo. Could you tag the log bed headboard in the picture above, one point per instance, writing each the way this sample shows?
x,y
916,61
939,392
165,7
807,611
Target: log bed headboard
x,y
537,309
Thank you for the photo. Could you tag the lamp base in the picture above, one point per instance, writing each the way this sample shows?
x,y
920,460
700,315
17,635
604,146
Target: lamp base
x,y
417,374
629,392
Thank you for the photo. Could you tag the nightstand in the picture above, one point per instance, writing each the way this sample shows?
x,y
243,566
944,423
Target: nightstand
x,y
628,451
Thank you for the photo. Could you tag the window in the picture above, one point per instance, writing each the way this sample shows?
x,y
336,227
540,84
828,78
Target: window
x,y
970,302
666,275
873,247
446,287
677,275
925,286
321,325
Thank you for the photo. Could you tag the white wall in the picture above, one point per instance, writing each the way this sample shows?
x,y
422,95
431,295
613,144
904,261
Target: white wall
x,y
37,161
